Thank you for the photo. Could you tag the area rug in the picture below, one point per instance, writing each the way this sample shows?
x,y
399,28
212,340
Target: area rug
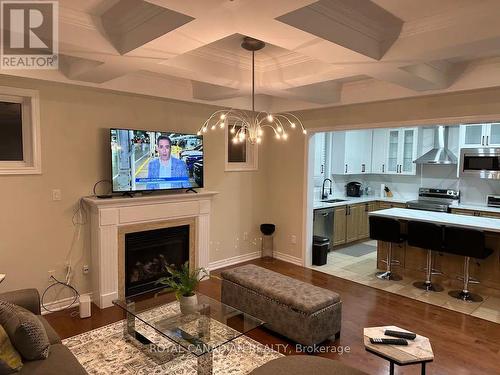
x,y
105,351
357,250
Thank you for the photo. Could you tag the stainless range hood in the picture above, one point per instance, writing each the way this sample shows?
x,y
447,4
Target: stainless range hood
x,y
440,154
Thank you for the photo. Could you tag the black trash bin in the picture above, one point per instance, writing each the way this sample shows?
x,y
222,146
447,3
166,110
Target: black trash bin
x,y
320,250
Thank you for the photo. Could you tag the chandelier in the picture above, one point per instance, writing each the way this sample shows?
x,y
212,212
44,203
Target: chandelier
x,y
249,127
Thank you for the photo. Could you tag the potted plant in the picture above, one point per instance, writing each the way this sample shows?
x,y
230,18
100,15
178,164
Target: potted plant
x,y
183,282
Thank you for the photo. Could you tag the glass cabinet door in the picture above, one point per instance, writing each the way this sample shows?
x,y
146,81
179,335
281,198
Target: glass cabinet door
x,y
494,136
393,151
473,135
408,151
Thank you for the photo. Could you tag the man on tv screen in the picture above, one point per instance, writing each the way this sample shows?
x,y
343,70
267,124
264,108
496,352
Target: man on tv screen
x,y
169,171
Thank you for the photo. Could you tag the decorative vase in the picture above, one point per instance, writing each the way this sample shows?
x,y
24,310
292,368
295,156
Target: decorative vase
x,y
188,304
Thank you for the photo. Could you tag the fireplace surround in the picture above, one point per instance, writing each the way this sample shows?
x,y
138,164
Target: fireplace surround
x,y
112,219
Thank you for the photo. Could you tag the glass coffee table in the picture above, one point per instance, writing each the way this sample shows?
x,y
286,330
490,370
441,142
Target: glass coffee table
x,y
199,332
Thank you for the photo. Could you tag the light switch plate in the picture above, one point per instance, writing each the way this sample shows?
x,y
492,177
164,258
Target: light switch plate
x,y
56,195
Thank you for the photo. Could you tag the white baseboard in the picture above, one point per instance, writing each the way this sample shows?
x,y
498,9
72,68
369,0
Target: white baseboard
x,y
233,260
288,258
61,304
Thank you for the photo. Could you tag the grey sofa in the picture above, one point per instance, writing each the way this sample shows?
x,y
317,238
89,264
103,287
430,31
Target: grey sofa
x,y
300,311
60,361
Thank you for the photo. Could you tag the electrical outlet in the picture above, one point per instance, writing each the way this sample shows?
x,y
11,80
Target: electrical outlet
x,y
52,273
293,239
245,236
56,195
85,269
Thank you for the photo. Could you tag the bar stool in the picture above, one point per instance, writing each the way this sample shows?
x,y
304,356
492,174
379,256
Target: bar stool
x,y
387,230
469,243
426,236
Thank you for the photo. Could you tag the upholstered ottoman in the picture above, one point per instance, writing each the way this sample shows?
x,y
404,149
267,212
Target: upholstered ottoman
x,y
302,312
305,365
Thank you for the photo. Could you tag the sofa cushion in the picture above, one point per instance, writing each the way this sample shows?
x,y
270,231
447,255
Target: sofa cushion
x,y
60,362
305,365
51,334
10,360
25,331
296,294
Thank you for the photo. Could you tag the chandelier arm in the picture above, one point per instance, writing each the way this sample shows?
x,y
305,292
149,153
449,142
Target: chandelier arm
x,y
295,117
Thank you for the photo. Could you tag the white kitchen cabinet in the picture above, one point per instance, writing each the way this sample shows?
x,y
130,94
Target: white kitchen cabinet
x,y
320,150
351,152
401,151
379,151
480,135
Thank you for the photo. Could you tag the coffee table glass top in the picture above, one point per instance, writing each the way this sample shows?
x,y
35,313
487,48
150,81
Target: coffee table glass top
x,y
200,330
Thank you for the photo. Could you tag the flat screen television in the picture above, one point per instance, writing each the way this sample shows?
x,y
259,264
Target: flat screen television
x,y
144,160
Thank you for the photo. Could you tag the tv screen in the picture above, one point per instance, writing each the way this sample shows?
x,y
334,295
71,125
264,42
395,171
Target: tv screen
x,y
150,160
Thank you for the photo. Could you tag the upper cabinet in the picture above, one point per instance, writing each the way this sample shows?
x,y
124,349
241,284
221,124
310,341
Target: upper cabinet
x,y
320,150
352,152
394,151
480,135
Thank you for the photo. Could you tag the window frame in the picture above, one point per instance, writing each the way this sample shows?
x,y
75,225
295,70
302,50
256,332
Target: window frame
x,y
252,154
30,109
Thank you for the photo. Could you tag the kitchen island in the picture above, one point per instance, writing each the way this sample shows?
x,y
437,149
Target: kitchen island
x,y
412,259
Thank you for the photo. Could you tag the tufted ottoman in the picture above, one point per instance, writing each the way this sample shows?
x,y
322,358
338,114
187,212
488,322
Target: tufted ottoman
x,y
302,312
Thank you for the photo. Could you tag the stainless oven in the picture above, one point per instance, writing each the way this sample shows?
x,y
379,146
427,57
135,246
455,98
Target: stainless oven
x,y
480,162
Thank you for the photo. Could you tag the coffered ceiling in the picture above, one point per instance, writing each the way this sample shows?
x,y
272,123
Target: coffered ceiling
x,y
318,53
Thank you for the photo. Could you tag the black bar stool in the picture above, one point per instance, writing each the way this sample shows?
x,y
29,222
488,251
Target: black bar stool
x,y
469,243
387,230
426,236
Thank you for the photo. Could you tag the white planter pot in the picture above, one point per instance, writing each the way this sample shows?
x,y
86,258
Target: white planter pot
x,y
188,304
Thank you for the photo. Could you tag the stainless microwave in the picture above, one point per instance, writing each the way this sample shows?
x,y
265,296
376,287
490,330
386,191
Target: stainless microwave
x,y
480,162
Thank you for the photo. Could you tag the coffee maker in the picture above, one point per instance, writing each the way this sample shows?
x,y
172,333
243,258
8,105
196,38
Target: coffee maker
x,y
353,189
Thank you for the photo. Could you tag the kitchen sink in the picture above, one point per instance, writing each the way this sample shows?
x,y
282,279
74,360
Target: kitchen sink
x,y
334,200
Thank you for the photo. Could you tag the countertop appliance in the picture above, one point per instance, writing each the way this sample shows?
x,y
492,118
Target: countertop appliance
x,y
438,200
494,201
353,189
323,223
480,162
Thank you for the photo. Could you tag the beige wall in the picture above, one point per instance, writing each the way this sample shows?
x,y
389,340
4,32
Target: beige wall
x,y
286,162
36,233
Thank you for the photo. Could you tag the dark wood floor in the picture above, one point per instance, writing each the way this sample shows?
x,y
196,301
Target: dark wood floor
x,y
462,344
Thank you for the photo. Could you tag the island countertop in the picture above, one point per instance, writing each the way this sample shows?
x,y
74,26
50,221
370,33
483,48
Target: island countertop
x,y
473,222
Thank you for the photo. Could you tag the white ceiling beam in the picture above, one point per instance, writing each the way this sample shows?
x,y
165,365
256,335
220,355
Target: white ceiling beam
x,y
130,24
87,70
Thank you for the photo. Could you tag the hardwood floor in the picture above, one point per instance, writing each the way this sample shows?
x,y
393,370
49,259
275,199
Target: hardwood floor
x,y
462,344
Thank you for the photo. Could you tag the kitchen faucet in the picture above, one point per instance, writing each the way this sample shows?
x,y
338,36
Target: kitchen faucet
x,y
323,195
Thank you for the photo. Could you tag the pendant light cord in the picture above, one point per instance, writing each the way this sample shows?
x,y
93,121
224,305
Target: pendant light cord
x,y
253,82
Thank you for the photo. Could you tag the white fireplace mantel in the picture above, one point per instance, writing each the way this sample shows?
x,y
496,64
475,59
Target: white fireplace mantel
x,y
108,215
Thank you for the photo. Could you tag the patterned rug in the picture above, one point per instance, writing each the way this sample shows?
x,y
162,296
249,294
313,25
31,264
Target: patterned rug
x,y
104,351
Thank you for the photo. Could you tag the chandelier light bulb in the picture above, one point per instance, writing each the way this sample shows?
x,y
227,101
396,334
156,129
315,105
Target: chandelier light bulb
x,y
304,131
285,136
205,129
198,133
213,127
259,132
259,140
279,129
232,130
235,140
221,125
278,136
270,118
222,116
292,124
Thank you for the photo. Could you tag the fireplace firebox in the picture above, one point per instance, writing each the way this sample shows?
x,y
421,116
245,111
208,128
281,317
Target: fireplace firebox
x,y
148,252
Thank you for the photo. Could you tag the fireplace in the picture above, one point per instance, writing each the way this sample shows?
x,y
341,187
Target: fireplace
x,y
148,252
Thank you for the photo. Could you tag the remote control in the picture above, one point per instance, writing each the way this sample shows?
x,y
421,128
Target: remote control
x,y
401,335
389,341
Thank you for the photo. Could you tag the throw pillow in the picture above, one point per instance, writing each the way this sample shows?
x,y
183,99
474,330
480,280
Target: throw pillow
x,y
25,331
10,360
